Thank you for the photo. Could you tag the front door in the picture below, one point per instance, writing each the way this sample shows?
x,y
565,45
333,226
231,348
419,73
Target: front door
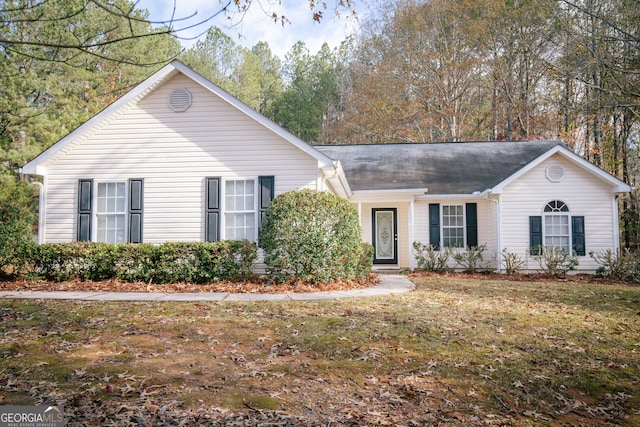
x,y
385,236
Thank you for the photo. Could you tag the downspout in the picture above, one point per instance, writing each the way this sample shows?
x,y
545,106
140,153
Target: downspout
x,y
616,223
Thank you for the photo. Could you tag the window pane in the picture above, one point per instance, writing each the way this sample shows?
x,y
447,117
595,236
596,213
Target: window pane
x,y
453,225
240,215
111,228
556,226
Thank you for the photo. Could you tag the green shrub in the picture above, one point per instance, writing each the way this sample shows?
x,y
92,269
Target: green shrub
x,y
621,264
16,236
556,262
171,262
471,259
431,259
311,235
365,263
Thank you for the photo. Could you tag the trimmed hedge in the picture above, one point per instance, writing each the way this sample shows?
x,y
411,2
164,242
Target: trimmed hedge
x,y
314,236
171,262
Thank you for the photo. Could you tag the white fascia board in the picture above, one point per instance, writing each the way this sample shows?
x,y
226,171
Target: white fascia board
x,y
323,159
618,186
451,196
37,166
392,195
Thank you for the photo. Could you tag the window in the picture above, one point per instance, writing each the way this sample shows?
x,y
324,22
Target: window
x,y
556,226
240,210
453,226
110,212
234,207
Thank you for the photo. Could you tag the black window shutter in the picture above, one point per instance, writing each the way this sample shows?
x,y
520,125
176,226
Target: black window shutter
x,y
136,204
85,198
472,224
266,184
212,210
535,235
434,225
578,235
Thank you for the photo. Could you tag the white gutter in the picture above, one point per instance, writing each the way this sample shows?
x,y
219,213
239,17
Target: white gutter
x,y
392,192
335,175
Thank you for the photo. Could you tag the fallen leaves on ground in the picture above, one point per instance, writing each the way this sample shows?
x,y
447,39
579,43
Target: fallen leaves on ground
x,y
261,285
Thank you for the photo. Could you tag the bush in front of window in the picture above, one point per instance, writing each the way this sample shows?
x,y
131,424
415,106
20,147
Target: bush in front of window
x,y
471,259
314,236
555,261
171,262
430,258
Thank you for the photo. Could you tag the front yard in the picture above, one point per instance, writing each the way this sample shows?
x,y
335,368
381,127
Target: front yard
x,y
457,351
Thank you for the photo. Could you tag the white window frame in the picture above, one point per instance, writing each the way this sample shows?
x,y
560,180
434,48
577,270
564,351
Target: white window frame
x,y
463,226
557,212
224,211
95,234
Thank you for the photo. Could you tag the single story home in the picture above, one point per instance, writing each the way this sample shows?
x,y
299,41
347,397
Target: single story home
x,y
179,159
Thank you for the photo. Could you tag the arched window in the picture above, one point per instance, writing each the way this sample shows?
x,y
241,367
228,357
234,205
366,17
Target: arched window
x,y
557,225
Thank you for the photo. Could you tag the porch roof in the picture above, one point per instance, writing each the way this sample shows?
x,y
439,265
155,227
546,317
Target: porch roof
x,y
443,168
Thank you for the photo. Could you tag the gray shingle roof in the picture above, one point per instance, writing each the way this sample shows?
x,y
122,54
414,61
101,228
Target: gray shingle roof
x,y
443,168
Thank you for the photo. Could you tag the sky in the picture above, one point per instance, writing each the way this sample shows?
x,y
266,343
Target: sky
x,y
257,25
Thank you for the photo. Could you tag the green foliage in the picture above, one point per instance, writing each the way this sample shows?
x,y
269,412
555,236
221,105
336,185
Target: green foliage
x,y
312,235
623,264
312,87
171,262
471,259
365,263
556,262
16,234
253,76
513,263
431,259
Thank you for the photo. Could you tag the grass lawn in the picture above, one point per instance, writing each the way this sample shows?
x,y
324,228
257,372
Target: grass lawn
x,y
456,351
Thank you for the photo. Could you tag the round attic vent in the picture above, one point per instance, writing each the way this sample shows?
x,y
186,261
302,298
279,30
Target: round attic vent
x,y
555,173
180,100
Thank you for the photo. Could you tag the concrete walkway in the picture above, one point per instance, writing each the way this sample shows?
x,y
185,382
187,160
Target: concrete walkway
x,y
389,284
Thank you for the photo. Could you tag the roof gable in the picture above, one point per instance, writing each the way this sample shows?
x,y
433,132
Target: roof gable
x,y
38,165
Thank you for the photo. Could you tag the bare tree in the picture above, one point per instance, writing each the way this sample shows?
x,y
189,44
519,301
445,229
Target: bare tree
x,y
17,16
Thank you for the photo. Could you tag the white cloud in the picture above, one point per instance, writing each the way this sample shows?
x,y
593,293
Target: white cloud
x,y
257,25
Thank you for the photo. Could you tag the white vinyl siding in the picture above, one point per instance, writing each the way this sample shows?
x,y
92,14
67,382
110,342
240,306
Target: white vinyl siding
x,y
528,196
173,152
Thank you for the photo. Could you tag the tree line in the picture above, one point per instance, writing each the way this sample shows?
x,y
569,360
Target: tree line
x,y
418,71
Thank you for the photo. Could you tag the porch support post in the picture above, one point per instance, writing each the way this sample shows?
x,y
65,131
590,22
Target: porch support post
x,y
411,234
